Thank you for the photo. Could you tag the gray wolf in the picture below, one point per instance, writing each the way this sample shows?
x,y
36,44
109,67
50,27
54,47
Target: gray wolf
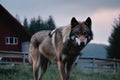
x,y
63,45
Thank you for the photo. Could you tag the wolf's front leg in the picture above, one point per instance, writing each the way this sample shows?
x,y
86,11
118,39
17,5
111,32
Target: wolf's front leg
x,y
69,67
61,68
68,70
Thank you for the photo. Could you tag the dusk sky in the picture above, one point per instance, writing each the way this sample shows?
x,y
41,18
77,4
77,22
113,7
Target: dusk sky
x,y
102,13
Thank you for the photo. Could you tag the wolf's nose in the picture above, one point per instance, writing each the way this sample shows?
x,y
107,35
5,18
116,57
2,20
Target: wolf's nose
x,y
82,44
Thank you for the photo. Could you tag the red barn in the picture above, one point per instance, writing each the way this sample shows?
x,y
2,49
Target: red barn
x,y
13,36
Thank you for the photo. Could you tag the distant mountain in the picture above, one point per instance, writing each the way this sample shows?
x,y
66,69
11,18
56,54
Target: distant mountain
x,y
94,50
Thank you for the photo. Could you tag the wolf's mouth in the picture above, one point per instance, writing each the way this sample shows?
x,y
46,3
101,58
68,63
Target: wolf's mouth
x,y
81,42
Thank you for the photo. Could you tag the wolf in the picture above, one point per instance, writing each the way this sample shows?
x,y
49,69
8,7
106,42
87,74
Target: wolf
x,y
62,44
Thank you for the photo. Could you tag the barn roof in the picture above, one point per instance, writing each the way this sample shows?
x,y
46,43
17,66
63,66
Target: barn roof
x,y
19,29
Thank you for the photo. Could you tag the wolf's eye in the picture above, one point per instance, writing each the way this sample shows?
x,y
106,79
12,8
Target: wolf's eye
x,y
77,33
84,33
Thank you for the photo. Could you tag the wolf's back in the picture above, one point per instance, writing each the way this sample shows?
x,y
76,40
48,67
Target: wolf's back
x,y
38,37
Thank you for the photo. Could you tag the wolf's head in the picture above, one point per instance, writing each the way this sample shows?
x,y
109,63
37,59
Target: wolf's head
x,y
81,32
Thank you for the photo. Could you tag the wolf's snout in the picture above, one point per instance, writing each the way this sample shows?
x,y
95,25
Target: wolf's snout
x,y
81,38
82,43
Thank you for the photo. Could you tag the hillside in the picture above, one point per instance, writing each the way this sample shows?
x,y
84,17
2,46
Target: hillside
x,y
94,50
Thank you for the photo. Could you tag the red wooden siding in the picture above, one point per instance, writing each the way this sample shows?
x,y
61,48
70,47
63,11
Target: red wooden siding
x,y
7,31
10,27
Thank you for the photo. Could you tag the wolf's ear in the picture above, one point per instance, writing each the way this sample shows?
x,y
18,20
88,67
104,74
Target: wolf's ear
x,y
88,22
74,22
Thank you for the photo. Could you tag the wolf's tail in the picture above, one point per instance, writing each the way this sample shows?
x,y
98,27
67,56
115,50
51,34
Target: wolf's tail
x,y
30,59
30,55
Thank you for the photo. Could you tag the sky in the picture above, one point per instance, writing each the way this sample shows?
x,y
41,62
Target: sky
x,y
102,12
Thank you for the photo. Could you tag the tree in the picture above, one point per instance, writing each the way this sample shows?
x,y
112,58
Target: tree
x,y
51,23
32,27
113,49
25,23
39,24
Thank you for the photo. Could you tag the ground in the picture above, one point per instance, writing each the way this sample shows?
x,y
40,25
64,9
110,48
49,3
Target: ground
x,y
25,73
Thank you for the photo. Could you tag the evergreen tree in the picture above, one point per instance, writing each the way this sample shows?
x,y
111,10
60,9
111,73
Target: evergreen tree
x,y
38,24
113,49
25,23
32,28
51,23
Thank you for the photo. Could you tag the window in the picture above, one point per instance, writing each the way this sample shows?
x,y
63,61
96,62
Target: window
x,y
11,41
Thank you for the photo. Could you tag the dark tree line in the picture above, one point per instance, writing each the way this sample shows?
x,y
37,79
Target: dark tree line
x,y
38,24
113,49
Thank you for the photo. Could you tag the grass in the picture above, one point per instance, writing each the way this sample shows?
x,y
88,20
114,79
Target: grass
x,y
25,73
16,73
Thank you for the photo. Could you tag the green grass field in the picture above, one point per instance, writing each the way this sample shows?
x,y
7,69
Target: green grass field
x,y
25,73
